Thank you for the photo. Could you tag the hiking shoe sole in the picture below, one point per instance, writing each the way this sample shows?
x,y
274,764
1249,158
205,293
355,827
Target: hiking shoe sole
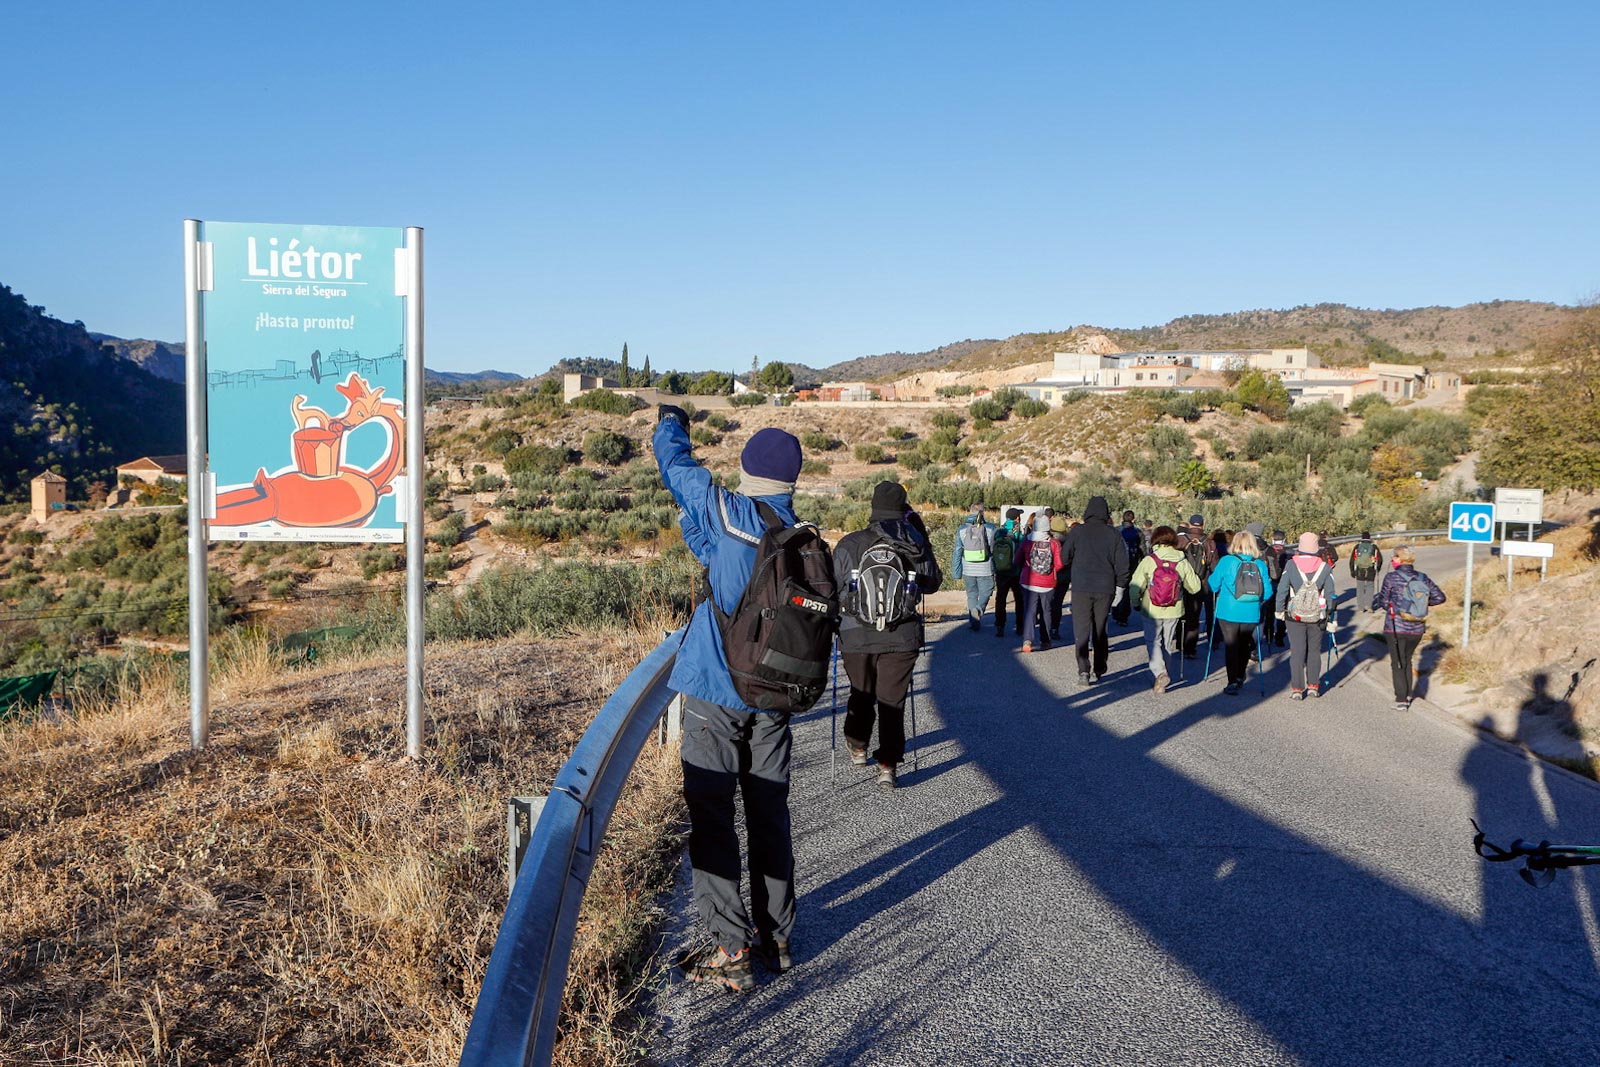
x,y
713,966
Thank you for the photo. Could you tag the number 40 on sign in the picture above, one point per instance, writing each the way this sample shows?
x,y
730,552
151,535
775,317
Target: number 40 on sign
x,y
1472,522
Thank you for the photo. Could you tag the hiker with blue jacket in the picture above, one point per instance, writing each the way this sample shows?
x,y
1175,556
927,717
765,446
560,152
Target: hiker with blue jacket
x,y
973,563
728,746
1405,597
884,569
1242,582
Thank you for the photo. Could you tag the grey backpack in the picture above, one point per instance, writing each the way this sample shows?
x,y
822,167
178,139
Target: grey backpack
x,y
1308,604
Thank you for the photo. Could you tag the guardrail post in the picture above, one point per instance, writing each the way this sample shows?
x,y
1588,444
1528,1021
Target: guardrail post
x,y
522,815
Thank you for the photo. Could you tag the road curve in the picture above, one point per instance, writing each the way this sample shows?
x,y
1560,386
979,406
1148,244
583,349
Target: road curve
x,y
1104,876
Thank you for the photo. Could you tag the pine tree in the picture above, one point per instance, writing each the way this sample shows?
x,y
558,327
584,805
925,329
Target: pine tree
x,y
755,372
624,375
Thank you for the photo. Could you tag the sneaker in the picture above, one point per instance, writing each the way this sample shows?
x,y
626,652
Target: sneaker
x,y
717,966
1027,646
1312,691
1160,685
1297,694
773,954
1083,677
1402,705
886,776
858,756
972,621
1232,689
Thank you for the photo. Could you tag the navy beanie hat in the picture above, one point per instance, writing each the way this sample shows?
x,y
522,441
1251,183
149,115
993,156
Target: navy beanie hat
x,y
772,453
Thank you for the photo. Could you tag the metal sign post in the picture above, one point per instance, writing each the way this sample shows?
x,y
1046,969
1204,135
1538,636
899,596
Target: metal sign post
x,y
1539,550
1473,524
196,279
416,545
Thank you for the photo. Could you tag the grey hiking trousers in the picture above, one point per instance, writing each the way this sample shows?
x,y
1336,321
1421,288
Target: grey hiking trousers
x,y
727,752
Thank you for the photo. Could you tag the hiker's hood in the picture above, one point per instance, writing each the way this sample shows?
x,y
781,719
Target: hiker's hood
x,y
1097,509
900,533
1168,553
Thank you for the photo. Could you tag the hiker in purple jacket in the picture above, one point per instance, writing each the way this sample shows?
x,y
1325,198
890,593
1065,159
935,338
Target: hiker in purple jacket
x,y
1404,598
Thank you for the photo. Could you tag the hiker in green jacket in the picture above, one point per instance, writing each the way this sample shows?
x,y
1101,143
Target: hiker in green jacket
x,y
1157,589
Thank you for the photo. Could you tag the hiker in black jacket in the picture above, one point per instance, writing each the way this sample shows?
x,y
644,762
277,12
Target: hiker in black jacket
x,y
880,661
1097,558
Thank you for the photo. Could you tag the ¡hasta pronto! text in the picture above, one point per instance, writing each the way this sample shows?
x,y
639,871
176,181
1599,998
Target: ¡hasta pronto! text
x,y
265,321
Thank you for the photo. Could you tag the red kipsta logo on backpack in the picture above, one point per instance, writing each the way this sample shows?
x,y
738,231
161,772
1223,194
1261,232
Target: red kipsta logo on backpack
x,y
809,605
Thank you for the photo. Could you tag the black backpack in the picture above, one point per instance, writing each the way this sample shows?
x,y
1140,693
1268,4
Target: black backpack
x,y
883,587
1247,581
1196,553
779,638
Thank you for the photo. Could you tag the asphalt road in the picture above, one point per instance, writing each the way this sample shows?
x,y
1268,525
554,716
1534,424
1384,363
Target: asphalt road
x,y
1105,876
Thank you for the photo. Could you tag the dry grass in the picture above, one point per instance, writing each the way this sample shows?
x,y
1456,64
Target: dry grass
x,y
1575,553
299,893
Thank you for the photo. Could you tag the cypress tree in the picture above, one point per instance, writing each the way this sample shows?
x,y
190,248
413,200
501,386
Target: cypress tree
x,y
624,375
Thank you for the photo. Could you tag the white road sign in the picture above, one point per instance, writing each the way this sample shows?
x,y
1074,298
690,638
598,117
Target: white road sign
x,y
1519,505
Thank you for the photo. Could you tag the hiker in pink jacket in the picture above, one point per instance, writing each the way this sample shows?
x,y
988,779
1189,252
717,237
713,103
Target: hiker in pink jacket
x,y
1038,558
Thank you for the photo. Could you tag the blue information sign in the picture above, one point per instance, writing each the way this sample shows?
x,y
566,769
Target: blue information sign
x,y
1472,522
305,382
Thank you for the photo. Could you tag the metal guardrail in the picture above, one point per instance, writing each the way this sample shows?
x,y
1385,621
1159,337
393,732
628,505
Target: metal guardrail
x,y
1386,535
514,1022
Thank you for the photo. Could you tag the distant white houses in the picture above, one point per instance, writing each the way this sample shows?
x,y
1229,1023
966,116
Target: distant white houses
x,y
1299,369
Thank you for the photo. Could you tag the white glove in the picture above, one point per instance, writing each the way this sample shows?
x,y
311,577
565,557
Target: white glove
x,y
1116,598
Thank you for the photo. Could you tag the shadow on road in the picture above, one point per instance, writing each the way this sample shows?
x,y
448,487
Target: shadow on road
x,y
1338,964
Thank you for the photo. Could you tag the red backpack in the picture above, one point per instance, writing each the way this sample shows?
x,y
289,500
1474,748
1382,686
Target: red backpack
x,y
1166,586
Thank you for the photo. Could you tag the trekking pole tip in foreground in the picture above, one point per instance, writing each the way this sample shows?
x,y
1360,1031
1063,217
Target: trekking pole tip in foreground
x,y
1542,860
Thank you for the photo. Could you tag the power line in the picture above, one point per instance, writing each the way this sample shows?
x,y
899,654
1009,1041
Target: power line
x,y
157,605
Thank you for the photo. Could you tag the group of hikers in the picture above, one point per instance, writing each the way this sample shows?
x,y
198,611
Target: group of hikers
x,y
759,647
1251,593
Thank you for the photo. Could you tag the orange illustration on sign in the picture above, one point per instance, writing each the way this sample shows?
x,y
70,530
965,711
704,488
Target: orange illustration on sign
x,y
319,490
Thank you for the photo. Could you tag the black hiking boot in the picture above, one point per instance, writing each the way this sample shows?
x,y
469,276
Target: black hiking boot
x,y
773,953
713,964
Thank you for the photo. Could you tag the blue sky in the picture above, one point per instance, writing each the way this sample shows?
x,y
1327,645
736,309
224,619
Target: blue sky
x,y
710,182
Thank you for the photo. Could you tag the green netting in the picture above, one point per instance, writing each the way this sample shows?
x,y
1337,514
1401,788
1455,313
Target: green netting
x,y
28,689
302,645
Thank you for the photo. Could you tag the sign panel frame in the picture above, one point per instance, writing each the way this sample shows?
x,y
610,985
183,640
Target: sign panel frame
x,y
306,383
1471,523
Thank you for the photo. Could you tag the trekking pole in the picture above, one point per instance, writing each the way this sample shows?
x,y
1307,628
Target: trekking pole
x,y
916,756
1261,663
1543,859
833,723
1210,641
1183,661
1333,646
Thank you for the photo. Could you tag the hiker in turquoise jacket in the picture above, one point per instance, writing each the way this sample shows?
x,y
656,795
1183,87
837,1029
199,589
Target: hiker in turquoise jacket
x,y
1238,617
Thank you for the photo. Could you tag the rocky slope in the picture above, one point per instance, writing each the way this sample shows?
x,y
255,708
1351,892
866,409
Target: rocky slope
x,y
70,402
